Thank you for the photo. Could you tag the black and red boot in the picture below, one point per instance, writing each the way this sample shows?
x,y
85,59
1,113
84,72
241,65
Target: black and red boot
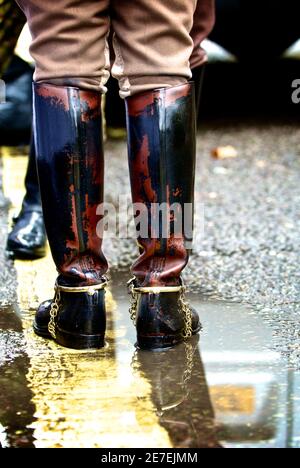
x,y
162,150
71,171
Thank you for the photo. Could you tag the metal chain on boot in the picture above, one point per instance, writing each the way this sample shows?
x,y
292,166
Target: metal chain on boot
x,y
55,306
56,303
133,300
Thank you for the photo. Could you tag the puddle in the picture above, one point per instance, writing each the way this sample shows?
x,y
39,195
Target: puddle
x,y
226,389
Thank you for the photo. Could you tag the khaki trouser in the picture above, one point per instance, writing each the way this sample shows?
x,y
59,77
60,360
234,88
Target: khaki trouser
x,y
151,40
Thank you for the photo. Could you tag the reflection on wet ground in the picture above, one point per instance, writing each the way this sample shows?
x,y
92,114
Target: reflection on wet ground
x,y
224,389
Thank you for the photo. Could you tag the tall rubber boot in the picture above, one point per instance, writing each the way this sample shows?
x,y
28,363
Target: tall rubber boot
x,y
162,149
27,239
71,171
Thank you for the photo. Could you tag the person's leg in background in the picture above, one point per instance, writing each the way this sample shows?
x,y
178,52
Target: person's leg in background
x,y
72,67
16,112
153,47
204,20
27,239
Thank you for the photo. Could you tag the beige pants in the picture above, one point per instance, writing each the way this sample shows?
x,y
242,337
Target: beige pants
x,y
151,39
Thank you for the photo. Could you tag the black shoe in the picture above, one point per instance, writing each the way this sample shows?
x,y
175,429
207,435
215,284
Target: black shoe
x,y
74,319
27,239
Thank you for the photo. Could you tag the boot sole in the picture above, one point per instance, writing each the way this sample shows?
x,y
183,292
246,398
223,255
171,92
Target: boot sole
x,y
161,343
73,340
43,332
26,254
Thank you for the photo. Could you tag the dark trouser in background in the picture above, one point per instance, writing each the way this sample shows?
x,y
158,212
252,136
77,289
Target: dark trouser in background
x,y
15,113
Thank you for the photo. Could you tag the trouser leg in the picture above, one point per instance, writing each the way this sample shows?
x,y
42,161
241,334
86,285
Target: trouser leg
x,y
152,43
69,41
203,22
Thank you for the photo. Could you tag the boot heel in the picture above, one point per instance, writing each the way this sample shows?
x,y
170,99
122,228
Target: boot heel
x,y
159,321
158,343
78,341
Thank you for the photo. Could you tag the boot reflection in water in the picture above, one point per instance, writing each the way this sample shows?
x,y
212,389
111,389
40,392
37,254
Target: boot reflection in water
x,y
180,394
153,72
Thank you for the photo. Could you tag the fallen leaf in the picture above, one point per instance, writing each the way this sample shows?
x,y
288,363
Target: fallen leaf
x,y
224,152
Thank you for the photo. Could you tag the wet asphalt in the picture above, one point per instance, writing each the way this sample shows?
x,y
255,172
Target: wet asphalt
x,y
240,383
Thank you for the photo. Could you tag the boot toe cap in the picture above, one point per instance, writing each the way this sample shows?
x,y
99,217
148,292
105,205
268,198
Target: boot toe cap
x,y
28,238
42,318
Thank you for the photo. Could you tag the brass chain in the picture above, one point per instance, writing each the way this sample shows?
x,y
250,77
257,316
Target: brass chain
x,y
187,312
53,313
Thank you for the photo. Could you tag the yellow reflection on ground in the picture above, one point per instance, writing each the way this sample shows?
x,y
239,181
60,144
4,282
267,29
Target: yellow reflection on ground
x,y
82,399
233,399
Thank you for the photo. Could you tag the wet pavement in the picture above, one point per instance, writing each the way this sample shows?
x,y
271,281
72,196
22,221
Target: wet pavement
x,y
238,385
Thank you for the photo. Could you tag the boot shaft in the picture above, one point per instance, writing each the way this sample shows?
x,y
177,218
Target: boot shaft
x,y
162,147
70,160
